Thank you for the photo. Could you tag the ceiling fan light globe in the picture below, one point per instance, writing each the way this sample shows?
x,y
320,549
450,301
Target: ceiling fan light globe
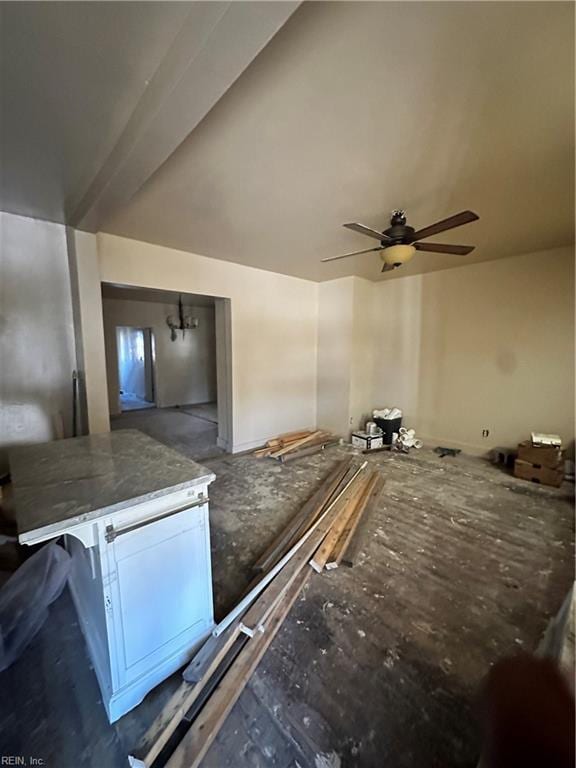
x,y
397,254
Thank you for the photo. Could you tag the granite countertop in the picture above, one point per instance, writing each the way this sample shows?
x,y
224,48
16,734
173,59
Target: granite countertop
x,y
87,477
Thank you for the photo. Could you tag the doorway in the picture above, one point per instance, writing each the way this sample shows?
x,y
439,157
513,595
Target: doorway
x,y
168,367
135,350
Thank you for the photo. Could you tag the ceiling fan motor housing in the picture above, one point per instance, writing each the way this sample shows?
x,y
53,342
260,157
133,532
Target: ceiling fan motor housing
x,y
397,248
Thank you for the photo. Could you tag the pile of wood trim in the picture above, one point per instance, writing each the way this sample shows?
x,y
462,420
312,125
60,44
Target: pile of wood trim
x,y
292,445
317,537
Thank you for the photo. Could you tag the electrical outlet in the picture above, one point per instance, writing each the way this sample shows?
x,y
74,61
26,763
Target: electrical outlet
x,y
485,432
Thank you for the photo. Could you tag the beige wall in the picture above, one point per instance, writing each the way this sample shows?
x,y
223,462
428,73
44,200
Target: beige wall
x,y
335,347
87,303
37,349
274,330
185,369
398,313
347,335
363,362
484,346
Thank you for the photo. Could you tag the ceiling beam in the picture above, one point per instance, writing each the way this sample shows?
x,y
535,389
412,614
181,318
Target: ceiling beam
x,y
214,46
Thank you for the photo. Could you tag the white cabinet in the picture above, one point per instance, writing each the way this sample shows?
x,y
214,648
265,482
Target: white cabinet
x,y
143,593
135,517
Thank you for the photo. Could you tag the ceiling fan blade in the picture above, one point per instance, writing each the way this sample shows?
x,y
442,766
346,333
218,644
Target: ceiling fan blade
x,y
459,250
464,217
354,253
366,230
388,268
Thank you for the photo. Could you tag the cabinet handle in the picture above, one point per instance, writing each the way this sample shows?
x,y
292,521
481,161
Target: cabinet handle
x,y
112,533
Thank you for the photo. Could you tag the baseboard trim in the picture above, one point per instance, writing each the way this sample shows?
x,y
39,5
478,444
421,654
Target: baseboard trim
x,y
250,445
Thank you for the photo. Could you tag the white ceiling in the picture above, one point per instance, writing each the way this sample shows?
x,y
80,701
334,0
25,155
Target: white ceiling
x,y
147,119
96,95
355,109
72,74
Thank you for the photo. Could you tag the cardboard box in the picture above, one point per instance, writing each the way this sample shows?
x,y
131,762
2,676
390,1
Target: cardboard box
x,y
539,474
549,456
367,442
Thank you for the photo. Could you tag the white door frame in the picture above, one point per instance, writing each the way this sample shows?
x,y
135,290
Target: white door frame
x,y
223,327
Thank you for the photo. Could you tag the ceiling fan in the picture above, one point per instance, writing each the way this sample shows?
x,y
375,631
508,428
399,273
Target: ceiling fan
x,y
399,242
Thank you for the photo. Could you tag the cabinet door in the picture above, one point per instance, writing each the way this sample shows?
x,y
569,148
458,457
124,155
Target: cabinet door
x,y
158,593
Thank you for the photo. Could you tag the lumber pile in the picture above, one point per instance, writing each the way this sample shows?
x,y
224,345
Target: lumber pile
x,y
292,445
317,537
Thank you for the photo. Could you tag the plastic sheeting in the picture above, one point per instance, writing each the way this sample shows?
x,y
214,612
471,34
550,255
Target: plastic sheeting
x,y
387,413
25,597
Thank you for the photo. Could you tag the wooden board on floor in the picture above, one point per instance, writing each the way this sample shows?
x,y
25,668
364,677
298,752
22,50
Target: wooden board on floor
x,y
308,450
296,444
282,542
281,441
322,554
350,555
326,518
205,727
202,667
289,437
260,610
372,491
262,452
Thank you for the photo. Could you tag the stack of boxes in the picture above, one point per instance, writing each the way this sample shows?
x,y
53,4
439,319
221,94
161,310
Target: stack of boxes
x,y
540,463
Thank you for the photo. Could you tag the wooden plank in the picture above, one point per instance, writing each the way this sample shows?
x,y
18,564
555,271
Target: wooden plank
x,y
322,554
277,547
376,480
327,517
296,444
162,728
351,554
304,519
295,434
307,515
286,447
280,442
203,661
313,440
289,437
351,522
307,522
259,612
311,451
205,727
261,452
324,437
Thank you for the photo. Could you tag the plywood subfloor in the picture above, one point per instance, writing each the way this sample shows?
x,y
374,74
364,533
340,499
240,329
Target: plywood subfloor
x,y
378,665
